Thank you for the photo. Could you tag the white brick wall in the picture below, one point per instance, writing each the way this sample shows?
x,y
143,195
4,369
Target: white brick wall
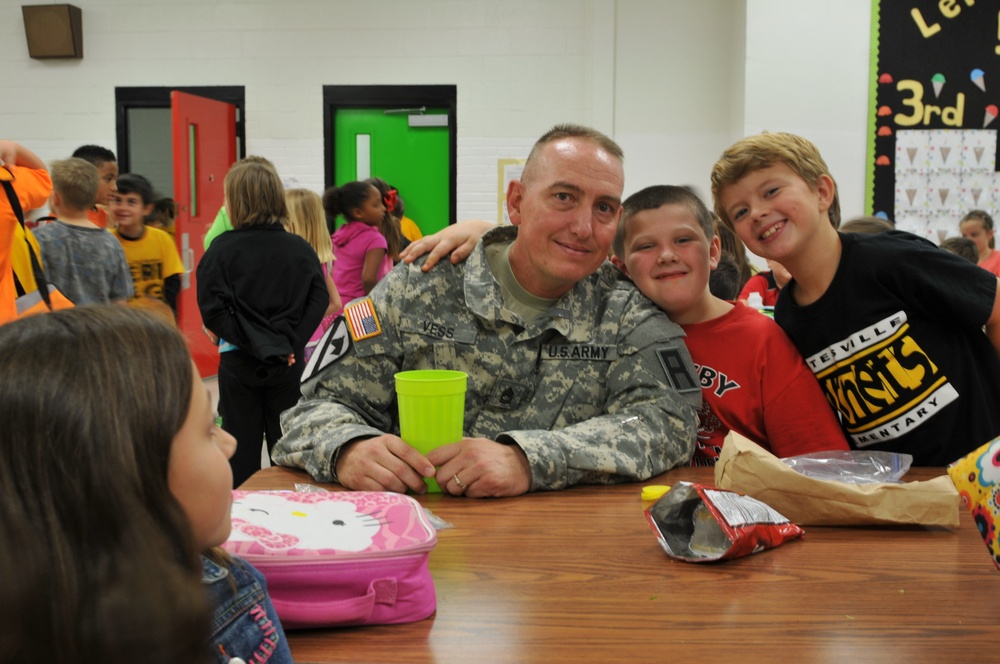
x,y
519,68
663,76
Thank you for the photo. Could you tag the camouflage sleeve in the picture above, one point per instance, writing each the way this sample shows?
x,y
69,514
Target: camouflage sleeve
x,y
649,421
350,398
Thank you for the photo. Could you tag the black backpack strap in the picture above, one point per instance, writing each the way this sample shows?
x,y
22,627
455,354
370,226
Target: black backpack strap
x,y
36,266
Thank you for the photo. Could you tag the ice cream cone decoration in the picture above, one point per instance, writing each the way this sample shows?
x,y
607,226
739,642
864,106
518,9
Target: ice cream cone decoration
x,y
990,115
979,78
937,80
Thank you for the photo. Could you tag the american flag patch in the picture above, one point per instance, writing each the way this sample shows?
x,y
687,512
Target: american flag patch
x,y
362,320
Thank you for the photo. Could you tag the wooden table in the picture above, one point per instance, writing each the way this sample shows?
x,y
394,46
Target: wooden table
x,y
578,575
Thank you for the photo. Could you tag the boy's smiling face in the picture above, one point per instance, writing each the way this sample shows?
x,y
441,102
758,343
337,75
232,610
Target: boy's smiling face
x,y
128,210
774,210
670,259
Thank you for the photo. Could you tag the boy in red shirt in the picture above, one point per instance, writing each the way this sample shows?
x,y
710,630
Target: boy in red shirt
x,y
753,381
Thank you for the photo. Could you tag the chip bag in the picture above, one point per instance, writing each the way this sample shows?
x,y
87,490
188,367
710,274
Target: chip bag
x,y
697,524
977,478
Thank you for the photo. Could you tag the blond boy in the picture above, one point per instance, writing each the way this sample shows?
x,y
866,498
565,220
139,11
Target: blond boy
x,y
891,325
84,261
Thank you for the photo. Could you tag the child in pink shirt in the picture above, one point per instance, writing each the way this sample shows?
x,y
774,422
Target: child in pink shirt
x,y
360,248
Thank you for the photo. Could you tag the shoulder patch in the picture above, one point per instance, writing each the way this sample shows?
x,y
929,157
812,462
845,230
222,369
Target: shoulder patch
x,y
676,369
362,319
331,347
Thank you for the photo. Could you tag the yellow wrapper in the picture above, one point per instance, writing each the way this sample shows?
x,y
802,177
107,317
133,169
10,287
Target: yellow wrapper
x,y
977,478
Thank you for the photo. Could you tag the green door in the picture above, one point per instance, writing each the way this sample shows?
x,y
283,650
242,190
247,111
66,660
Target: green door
x,y
415,159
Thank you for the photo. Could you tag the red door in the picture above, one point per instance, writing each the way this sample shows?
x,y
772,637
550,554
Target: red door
x,y
204,138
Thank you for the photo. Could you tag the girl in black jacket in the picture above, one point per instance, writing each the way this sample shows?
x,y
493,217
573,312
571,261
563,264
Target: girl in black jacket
x,y
261,292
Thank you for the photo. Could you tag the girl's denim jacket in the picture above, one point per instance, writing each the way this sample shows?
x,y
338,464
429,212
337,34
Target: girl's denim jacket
x,y
244,624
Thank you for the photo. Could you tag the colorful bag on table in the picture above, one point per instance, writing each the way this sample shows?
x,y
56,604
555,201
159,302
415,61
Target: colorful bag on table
x,y
337,558
977,478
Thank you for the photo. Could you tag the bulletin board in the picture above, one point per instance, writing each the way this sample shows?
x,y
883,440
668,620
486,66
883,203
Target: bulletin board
x,y
935,92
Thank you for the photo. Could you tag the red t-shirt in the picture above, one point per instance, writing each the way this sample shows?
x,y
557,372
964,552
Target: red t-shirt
x,y
763,283
992,263
753,381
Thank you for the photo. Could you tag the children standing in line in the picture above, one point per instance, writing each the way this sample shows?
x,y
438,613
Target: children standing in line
x,y
85,262
977,225
262,292
151,253
307,220
891,325
361,249
107,166
115,514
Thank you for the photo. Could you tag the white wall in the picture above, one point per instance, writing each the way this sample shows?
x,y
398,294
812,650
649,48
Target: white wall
x,y
807,72
665,77
678,84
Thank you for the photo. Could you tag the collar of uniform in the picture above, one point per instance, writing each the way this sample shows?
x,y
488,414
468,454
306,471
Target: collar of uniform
x,y
569,316
482,291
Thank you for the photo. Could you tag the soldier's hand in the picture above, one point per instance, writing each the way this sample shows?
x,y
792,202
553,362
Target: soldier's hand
x,y
384,463
485,468
455,241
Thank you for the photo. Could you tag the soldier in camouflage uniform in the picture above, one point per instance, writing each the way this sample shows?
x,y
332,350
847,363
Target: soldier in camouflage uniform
x,y
577,378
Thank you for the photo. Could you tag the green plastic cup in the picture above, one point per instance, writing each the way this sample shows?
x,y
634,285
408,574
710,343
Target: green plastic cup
x,y
431,410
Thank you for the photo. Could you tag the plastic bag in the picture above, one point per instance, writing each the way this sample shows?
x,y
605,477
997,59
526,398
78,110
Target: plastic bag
x,y
852,466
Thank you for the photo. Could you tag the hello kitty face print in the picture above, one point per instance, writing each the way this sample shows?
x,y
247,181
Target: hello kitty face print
x,y
324,523
277,522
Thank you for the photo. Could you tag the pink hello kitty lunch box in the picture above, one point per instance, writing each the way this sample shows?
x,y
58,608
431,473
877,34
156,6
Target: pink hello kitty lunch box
x,y
337,558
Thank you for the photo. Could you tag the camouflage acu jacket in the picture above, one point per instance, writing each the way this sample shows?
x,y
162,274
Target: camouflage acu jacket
x,y
600,389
